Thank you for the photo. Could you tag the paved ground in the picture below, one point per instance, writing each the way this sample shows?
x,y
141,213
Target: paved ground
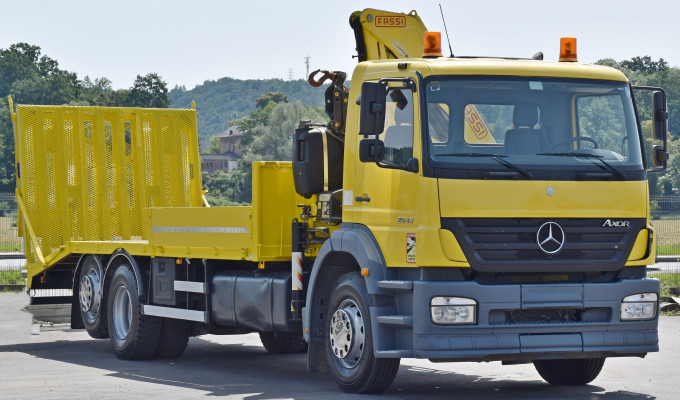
x,y
56,362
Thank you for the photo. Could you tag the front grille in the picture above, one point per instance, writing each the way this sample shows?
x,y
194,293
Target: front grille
x,y
511,244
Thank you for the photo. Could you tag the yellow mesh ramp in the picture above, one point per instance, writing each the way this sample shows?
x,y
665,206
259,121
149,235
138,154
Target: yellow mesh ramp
x,y
86,173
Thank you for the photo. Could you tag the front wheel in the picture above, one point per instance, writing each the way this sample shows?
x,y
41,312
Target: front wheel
x,y
134,336
569,371
349,344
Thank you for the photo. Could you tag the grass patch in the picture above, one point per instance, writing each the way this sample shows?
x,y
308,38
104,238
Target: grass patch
x,y
10,247
9,240
668,281
668,236
12,278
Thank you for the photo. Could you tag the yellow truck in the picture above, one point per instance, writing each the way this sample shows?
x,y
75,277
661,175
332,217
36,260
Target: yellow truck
x,y
454,209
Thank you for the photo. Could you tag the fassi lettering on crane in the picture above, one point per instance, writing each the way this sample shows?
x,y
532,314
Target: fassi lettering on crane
x,y
390,22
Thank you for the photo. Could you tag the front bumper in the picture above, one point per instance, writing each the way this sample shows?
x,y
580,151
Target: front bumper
x,y
497,338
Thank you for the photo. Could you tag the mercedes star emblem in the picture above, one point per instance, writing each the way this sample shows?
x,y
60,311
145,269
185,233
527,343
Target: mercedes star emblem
x,y
550,237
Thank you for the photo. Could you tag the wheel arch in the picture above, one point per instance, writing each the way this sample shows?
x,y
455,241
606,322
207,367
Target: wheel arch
x,y
350,248
120,257
79,267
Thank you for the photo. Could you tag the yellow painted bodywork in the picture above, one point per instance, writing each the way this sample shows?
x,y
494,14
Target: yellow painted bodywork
x,y
260,233
389,35
85,174
405,203
528,199
96,180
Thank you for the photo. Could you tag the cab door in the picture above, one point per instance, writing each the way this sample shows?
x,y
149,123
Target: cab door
x,y
386,193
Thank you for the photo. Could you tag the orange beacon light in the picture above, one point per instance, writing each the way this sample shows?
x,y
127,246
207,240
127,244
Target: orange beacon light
x,y
433,44
568,49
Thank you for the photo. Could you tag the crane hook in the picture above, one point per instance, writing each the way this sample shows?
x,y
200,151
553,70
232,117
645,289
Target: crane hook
x,y
318,82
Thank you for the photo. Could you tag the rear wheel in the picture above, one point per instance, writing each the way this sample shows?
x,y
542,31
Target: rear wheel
x,y
349,344
134,336
280,343
90,295
569,371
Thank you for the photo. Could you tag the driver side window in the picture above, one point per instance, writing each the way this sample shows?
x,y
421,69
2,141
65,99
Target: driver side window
x,y
399,127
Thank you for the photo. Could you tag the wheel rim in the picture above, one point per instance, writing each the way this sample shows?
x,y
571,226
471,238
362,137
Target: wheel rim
x,y
347,334
90,294
122,312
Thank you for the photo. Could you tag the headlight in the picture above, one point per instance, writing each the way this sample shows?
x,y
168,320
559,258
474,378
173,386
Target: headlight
x,y
453,311
639,307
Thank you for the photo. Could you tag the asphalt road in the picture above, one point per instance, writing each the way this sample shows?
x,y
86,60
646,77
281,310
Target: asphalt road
x,y
53,362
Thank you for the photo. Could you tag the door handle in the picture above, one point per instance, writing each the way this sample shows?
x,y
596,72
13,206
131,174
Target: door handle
x,y
362,199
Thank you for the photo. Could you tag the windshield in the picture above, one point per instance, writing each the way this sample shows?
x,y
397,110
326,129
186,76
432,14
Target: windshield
x,y
531,128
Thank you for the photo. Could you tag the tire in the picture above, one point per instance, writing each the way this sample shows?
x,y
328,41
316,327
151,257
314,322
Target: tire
x,y
90,295
569,371
349,344
133,336
283,343
173,338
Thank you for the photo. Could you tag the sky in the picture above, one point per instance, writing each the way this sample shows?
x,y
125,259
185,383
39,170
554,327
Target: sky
x,y
189,42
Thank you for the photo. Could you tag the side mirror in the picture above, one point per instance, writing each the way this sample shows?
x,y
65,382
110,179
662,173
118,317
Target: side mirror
x,y
371,150
659,153
659,156
660,116
412,165
373,102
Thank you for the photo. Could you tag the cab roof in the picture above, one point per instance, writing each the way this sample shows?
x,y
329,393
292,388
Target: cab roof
x,y
490,66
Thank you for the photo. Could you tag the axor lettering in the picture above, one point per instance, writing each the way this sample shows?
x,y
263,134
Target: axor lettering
x,y
616,224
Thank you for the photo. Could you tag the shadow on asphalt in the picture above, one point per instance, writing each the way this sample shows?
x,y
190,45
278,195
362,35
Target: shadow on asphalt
x,y
248,371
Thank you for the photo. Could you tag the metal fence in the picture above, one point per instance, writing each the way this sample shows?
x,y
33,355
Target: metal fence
x,y
11,245
665,212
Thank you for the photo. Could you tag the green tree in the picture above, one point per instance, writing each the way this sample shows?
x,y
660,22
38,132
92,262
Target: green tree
x,y
220,102
274,140
32,78
671,178
214,145
18,62
257,117
645,65
265,99
149,91
6,148
644,71
269,137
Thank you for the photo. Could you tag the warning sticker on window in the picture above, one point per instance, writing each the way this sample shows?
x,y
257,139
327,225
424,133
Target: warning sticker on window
x,y
411,248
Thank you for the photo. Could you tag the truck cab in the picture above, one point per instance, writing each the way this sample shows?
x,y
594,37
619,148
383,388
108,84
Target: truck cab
x,y
496,210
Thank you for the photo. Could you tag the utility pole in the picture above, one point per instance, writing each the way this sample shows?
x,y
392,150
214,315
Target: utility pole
x,y
307,64
290,74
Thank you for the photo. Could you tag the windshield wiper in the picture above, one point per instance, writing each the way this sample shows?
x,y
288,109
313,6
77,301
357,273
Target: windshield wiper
x,y
603,164
496,157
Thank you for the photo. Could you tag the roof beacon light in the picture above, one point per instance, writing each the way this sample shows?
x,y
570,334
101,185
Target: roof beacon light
x,y
568,49
433,44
